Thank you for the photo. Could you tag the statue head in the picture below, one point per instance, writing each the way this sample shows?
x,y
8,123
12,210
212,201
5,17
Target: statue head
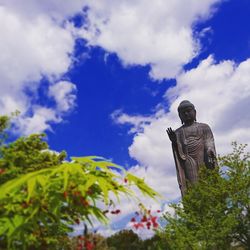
x,y
187,112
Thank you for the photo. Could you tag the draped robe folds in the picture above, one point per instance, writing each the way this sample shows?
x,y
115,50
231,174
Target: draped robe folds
x,y
190,152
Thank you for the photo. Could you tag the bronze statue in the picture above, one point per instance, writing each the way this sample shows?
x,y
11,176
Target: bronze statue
x,y
193,146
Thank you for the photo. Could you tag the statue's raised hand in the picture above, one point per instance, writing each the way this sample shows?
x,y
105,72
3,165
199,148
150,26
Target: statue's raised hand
x,y
211,158
171,135
210,153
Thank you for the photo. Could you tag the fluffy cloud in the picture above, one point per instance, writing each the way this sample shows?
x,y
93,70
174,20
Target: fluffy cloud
x,y
143,32
59,10
38,122
221,93
37,41
138,121
63,93
31,48
40,118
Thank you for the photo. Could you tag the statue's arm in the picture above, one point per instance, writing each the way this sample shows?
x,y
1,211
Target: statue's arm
x,y
209,139
178,158
210,146
172,136
175,144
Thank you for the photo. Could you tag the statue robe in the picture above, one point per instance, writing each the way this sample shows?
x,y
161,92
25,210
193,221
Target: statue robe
x,y
190,152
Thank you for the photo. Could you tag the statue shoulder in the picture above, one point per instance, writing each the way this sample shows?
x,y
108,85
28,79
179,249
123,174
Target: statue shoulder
x,y
203,125
205,128
178,130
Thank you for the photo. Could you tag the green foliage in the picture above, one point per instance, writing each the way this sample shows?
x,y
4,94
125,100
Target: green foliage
x,y
127,239
154,243
4,123
238,164
123,240
42,196
25,155
214,214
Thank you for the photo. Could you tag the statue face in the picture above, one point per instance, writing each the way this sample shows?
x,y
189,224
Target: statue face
x,y
187,115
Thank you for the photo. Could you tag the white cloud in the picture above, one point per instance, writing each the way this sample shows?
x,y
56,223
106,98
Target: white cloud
x,y
32,47
40,117
63,93
38,122
162,180
59,10
142,32
138,121
106,231
37,41
221,95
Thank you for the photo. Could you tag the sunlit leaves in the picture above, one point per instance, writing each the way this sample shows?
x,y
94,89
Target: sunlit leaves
x,y
140,183
42,195
63,194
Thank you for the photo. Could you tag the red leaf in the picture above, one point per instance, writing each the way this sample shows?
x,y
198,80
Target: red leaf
x,y
89,245
117,211
144,219
155,225
133,220
153,219
138,225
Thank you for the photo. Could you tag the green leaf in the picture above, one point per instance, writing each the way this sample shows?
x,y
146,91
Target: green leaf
x,y
99,214
31,185
105,187
65,178
144,188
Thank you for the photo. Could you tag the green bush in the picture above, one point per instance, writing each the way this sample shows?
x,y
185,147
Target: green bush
x,y
215,213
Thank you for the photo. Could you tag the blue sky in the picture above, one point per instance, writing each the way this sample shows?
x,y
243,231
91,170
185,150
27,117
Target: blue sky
x,y
104,85
105,77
